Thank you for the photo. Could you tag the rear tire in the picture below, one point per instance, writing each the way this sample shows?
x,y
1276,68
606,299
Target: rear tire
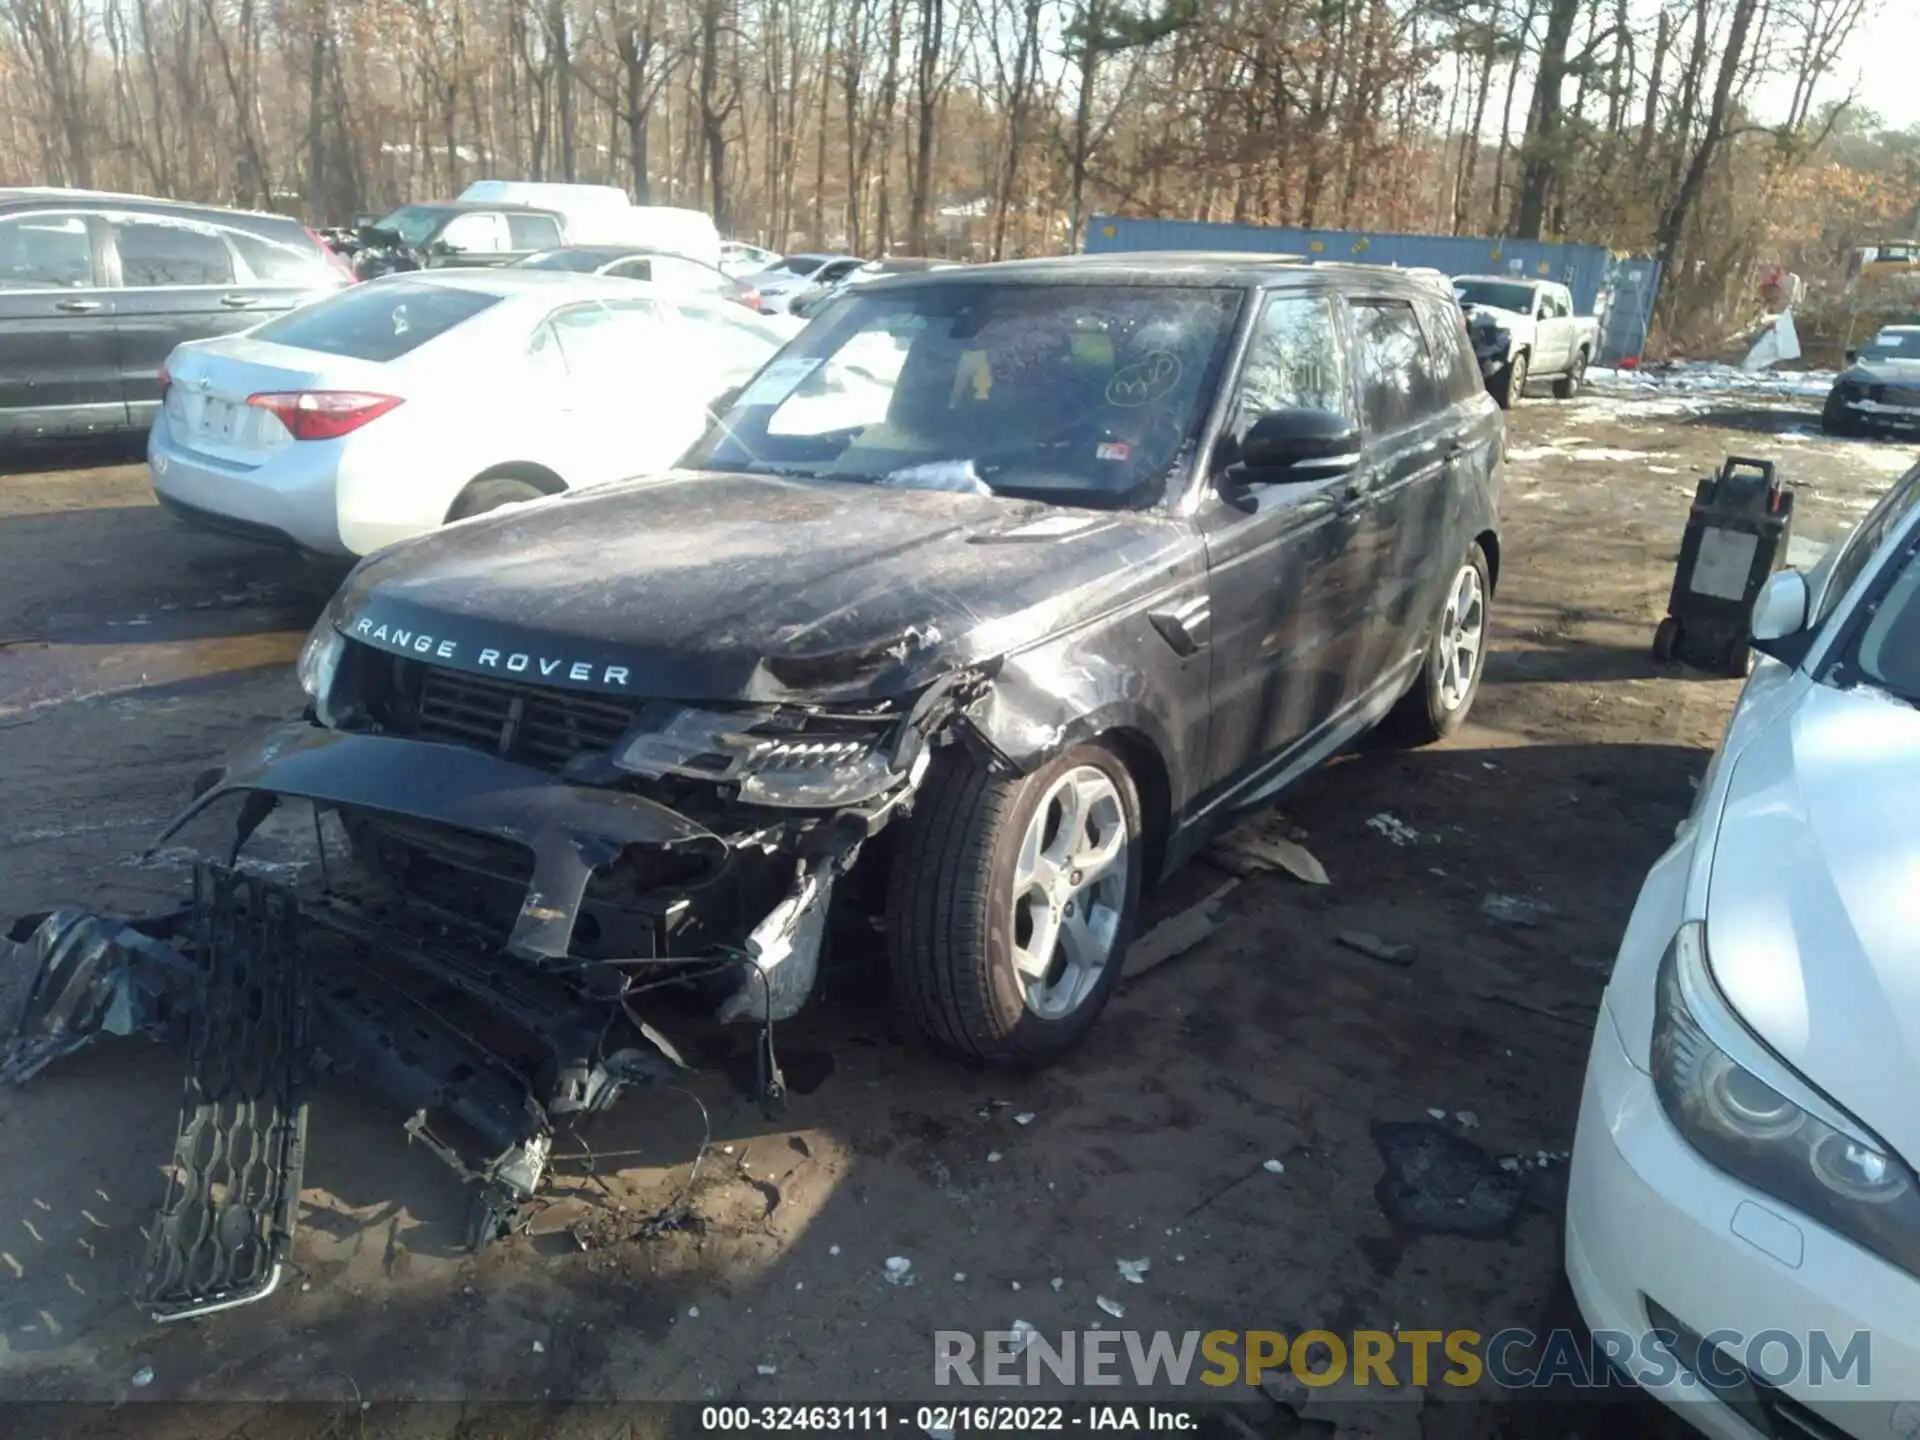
x,y
1834,419
484,495
1442,694
983,972
1666,637
1511,384
1568,385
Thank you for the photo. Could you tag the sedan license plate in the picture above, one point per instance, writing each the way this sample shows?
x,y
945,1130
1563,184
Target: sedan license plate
x,y
217,418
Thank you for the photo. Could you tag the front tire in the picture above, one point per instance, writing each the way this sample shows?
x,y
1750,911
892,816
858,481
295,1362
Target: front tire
x,y
1449,680
1512,383
1012,901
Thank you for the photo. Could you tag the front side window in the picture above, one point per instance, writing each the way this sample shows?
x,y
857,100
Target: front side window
x,y
1075,394
1395,370
1888,654
1294,361
414,224
45,252
476,233
531,232
154,252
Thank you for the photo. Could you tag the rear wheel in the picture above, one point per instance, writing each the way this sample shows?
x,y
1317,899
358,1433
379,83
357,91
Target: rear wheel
x,y
1012,901
484,495
1568,385
1449,678
1512,382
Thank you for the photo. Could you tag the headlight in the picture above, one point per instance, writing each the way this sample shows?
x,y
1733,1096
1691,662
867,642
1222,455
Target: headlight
x,y
776,758
1774,1133
319,659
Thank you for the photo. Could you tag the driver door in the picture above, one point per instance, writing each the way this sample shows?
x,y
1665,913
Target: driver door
x,y
1283,623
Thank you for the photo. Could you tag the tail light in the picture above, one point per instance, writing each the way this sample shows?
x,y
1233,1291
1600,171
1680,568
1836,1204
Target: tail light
x,y
324,414
750,297
333,256
166,379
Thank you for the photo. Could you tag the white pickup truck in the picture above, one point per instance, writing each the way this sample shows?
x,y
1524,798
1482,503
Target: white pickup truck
x,y
1525,330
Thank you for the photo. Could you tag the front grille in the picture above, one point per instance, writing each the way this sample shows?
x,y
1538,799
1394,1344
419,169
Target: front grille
x,y
531,724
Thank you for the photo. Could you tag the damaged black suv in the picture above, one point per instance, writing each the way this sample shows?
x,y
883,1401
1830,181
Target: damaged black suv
x,y
1052,566
981,607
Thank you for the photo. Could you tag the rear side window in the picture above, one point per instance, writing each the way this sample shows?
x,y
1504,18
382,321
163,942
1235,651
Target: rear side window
x,y
155,253
1397,385
1456,372
277,262
633,270
45,252
531,232
376,322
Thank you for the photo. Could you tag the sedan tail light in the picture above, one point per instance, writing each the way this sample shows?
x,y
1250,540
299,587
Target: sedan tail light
x,y
166,379
324,414
749,297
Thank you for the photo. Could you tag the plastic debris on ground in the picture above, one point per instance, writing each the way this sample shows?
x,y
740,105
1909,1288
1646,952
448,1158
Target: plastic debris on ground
x,y
693,1312
767,1369
1112,1307
1025,1117
1515,910
898,1267
1468,1120
1058,1284
993,1157
1177,934
1373,946
1267,843
1023,1334
1273,1167
143,1377
1393,828
1134,1272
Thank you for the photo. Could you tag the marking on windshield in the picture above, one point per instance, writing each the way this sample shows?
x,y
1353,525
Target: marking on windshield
x,y
1145,380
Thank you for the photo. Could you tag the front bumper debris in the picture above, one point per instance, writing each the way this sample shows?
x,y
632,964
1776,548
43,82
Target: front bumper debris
x,y
484,1027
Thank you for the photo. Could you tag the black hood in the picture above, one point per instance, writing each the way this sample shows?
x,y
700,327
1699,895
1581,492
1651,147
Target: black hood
x,y
720,586
1903,373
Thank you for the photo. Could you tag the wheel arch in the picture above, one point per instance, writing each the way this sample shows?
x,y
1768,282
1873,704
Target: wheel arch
x,y
529,472
1489,544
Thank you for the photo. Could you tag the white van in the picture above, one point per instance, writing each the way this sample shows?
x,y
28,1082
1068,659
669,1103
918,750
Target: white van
x,y
602,215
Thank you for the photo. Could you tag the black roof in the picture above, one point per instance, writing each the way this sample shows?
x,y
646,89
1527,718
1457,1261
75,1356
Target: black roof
x,y
1167,267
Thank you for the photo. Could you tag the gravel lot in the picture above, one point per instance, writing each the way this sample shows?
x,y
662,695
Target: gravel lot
x,y
132,652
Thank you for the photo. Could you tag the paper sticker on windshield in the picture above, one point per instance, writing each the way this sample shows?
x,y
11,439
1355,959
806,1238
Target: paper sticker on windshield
x,y
778,381
1145,380
1113,450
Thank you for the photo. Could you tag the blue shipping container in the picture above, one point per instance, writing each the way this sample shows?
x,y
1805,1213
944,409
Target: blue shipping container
x,y
1619,291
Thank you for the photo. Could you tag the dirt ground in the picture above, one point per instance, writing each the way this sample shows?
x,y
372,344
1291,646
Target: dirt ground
x,y
132,652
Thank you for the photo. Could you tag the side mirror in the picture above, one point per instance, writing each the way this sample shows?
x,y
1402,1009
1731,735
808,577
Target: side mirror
x,y
1780,615
1297,445
1853,354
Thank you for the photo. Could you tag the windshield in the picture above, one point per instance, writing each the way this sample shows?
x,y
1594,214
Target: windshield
x,y
584,261
1083,395
1902,346
1496,294
414,224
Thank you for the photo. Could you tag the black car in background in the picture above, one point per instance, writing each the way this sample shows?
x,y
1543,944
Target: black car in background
x,y
455,232
1880,388
97,289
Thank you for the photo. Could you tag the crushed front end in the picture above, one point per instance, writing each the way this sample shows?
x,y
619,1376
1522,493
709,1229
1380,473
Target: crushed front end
x,y
507,874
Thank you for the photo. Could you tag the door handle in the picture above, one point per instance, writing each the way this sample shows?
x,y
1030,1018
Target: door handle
x,y
77,307
238,302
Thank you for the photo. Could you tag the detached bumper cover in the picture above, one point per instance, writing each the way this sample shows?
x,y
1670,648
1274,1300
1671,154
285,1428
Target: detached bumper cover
x,y
571,830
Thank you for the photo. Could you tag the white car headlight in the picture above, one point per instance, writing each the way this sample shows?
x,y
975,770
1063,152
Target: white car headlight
x,y
773,759
1774,1133
319,660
